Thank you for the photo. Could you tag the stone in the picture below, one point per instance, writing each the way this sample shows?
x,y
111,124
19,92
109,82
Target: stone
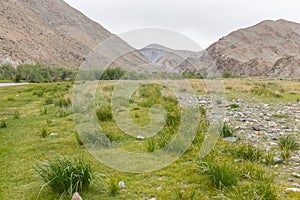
x,y
53,134
121,184
140,137
296,185
76,196
290,179
296,175
230,139
293,190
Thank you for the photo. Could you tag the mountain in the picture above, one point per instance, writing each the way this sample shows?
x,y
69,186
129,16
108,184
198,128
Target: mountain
x,y
53,33
269,48
161,55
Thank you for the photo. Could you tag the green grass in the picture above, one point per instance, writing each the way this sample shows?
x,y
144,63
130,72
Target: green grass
x,y
64,176
22,149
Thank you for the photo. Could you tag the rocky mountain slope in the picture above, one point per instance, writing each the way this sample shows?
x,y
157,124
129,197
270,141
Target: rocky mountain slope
x,y
270,48
161,55
52,33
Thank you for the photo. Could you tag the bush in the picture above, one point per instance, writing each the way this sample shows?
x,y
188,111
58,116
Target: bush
x,y
221,175
104,113
64,176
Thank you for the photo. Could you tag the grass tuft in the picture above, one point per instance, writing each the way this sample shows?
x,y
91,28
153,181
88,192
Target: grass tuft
x,y
64,176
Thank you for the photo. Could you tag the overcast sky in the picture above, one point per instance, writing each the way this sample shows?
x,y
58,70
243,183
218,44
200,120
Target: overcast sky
x,y
204,21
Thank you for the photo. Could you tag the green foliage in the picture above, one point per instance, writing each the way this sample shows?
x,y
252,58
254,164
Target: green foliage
x,y
222,175
65,176
17,115
226,130
151,145
112,74
229,75
3,124
113,187
233,106
259,91
248,152
44,133
38,73
10,98
104,113
286,145
265,190
63,102
7,72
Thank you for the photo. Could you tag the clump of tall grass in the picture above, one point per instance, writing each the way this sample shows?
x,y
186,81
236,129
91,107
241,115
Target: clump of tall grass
x,y
104,113
64,176
248,152
265,92
226,130
63,102
287,144
113,187
44,132
3,124
151,145
222,175
17,115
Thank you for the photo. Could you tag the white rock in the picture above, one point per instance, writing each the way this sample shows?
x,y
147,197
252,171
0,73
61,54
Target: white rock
x,y
121,184
140,137
292,189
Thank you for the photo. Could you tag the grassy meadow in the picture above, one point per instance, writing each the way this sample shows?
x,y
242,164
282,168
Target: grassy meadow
x,y
37,124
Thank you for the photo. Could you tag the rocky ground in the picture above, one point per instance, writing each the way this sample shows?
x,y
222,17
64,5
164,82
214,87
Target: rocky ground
x,y
263,125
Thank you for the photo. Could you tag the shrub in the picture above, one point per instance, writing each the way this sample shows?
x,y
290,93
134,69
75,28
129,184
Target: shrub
x,y
221,175
104,113
65,176
226,130
3,124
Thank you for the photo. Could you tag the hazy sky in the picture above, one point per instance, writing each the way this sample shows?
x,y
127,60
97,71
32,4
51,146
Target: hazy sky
x,y
204,21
